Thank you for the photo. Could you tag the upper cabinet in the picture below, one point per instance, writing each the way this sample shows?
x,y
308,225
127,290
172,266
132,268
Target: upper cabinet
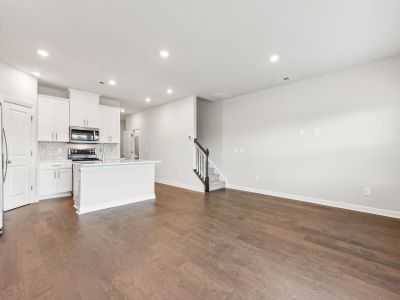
x,y
53,119
109,124
84,109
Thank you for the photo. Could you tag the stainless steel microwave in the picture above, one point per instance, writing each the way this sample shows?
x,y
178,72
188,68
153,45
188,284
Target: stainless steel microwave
x,y
84,135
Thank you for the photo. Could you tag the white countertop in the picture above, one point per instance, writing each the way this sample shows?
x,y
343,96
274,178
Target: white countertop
x,y
114,162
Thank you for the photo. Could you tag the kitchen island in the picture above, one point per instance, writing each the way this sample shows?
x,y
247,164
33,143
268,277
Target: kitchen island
x,y
100,185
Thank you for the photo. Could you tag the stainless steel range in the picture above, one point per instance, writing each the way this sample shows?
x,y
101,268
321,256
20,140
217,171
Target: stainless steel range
x,y
82,154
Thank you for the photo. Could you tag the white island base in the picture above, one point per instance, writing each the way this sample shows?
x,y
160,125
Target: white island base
x,y
101,185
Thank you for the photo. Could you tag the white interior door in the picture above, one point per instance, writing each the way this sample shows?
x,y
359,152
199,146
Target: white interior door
x,y
18,132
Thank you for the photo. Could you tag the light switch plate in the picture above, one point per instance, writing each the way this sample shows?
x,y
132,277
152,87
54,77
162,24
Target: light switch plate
x,y
241,149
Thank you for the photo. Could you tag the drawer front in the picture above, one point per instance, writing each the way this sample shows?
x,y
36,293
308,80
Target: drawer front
x,y
55,165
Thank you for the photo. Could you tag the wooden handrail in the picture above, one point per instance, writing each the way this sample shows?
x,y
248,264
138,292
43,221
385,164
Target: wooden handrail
x,y
205,151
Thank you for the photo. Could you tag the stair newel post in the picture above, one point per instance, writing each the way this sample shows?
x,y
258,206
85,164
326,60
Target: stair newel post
x,y
207,179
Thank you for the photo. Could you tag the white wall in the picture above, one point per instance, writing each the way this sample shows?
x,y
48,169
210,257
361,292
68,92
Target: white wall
x,y
357,113
164,135
17,85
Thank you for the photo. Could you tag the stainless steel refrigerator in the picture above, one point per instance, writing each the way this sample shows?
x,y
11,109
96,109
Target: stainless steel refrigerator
x,y
4,164
2,174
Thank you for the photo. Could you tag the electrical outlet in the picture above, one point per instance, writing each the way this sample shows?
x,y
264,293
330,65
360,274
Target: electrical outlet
x,y
235,149
257,178
301,132
241,149
316,131
367,191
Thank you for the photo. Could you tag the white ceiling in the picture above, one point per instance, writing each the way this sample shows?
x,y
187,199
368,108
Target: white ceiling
x,y
215,46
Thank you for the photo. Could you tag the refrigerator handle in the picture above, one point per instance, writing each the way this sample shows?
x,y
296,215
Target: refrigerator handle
x,y
6,162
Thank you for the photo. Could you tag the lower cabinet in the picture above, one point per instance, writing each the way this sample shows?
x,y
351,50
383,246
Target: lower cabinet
x,y
55,178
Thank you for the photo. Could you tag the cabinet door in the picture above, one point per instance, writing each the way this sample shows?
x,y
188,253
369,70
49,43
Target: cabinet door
x,y
45,119
115,125
92,111
104,124
47,182
77,111
64,180
61,121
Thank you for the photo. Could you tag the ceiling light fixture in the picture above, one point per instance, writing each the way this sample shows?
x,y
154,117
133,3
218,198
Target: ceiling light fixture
x,y
274,58
37,74
148,99
42,53
164,53
122,110
169,91
112,82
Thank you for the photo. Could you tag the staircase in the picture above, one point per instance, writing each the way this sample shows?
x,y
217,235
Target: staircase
x,y
206,170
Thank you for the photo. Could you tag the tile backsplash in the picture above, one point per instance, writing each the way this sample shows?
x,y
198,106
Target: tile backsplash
x,y
58,151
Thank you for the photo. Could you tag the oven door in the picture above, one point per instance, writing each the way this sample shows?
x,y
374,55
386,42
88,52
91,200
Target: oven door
x,y
83,135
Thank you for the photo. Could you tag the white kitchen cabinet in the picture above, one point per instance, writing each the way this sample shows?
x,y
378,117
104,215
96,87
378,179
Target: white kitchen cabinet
x,y
55,178
47,182
64,180
53,119
84,109
110,124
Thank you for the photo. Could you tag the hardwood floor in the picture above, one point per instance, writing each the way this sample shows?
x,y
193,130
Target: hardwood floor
x,y
186,245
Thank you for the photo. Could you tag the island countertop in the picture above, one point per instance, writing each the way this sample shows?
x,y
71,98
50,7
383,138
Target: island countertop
x,y
114,162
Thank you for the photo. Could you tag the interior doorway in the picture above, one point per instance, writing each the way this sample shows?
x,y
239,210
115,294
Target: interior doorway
x,y
131,144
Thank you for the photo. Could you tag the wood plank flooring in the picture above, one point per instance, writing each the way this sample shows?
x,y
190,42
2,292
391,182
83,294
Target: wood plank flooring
x,y
186,245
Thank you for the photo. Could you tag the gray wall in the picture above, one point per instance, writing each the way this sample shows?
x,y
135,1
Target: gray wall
x,y
164,136
357,115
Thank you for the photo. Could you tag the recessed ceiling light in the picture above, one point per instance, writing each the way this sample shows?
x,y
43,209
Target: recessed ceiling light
x,y
164,53
37,74
42,53
122,110
112,82
169,91
274,58
148,99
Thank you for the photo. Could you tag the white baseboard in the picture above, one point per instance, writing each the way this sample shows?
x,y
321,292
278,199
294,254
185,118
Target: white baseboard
x,y
180,185
355,207
60,195
91,208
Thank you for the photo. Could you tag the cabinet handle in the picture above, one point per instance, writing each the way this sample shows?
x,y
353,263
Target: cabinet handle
x,y
56,136
55,174
58,174
52,136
